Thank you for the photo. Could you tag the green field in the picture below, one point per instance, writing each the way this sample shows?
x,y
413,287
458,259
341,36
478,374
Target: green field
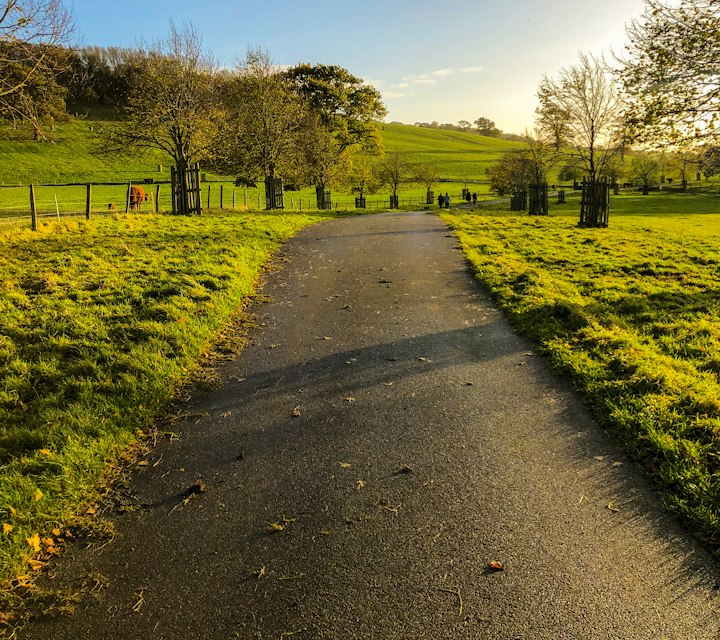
x,y
75,155
630,313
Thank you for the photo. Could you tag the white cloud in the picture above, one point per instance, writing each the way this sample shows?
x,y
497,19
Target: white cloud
x,y
394,94
432,76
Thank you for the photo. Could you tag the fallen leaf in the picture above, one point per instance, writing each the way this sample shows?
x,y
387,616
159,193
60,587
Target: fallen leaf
x,y
37,495
600,458
34,542
12,510
56,532
45,452
48,542
35,564
260,572
424,360
296,411
617,464
91,511
612,507
469,384
360,484
404,469
350,399
388,384
7,528
143,463
345,465
494,565
275,527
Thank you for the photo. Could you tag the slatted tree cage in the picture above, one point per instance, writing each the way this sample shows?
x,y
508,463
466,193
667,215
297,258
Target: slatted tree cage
x,y
274,193
595,203
185,187
538,202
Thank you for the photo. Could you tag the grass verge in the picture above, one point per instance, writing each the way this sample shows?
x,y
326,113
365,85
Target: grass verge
x,y
100,322
631,314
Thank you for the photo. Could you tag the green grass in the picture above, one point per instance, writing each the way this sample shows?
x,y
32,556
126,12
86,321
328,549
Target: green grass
x,y
454,154
631,314
100,322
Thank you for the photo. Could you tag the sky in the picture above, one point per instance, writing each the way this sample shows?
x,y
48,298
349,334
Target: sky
x,y
446,60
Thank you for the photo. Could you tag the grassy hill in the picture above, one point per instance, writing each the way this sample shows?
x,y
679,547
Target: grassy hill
x,y
456,155
75,154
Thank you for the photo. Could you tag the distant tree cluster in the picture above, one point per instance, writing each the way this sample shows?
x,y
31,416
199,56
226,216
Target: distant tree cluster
x,y
481,126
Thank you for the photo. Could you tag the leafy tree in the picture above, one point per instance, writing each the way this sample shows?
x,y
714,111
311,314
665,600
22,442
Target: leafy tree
x,y
553,121
513,172
362,174
427,176
173,103
32,33
709,161
348,108
264,116
98,75
646,170
392,171
569,172
464,125
594,127
486,127
671,75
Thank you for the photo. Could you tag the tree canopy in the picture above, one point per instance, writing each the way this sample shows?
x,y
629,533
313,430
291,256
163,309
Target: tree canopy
x,y
672,72
347,107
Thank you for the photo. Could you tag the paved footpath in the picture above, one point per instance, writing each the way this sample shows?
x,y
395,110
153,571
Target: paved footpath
x,y
383,439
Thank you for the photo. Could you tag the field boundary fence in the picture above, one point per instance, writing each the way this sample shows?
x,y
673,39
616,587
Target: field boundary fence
x,y
32,205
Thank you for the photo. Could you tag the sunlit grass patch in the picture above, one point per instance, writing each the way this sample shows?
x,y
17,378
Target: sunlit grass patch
x,y
100,322
631,314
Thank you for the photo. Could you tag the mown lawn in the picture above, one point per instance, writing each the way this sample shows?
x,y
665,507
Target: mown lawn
x,y
100,322
632,314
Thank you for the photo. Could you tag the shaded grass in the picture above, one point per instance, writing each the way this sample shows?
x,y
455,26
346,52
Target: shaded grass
x,y
631,315
100,322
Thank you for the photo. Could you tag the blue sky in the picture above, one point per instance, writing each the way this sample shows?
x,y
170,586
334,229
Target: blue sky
x,y
438,60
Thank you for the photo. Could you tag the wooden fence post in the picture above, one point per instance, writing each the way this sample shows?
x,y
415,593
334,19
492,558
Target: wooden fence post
x,y
33,210
245,192
88,201
259,204
157,198
127,199
208,201
221,196
233,198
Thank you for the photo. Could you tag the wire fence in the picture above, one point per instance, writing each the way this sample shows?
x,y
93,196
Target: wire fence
x,y
28,206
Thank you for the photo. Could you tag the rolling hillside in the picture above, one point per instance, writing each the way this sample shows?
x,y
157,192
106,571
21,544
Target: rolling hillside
x,y
75,155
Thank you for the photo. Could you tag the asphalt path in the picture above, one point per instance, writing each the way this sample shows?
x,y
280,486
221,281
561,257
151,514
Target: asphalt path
x,y
383,439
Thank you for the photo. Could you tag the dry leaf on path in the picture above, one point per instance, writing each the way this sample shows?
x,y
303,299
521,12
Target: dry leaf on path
x,y
360,484
296,411
612,507
345,465
494,565
617,464
599,458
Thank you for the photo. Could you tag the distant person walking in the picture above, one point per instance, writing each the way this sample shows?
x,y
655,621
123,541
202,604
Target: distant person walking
x,y
468,197
441,201
446,199
474,197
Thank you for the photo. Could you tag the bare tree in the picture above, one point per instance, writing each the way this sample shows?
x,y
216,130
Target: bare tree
x,y
585,96
173,103
32,33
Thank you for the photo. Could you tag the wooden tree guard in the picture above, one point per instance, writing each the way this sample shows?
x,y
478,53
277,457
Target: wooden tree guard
x,y
185,185
88,201
561,196
394,202
430,197
595,203
274,193
33,209
538,199
360,202
518,201
324,198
